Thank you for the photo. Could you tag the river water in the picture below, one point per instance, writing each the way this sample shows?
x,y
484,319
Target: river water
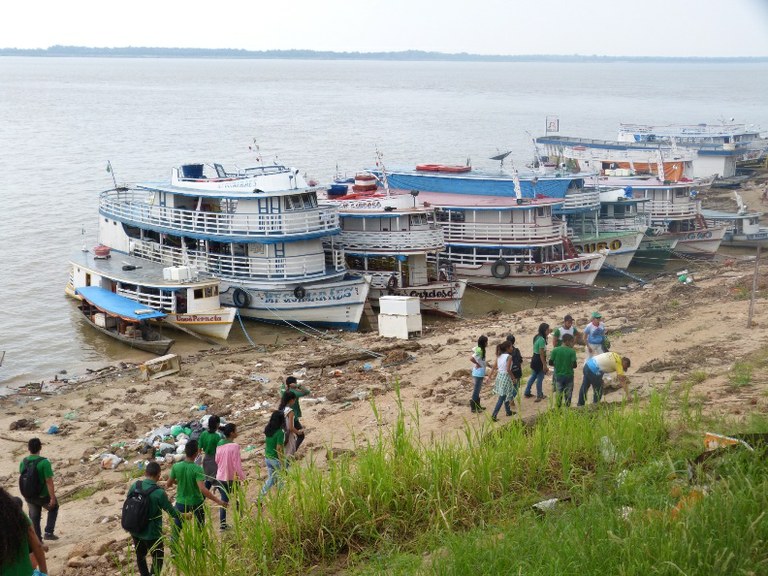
x,y
62,119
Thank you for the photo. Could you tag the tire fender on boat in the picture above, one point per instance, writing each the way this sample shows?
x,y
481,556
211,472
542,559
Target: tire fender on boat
x,y
500,268
300,292
241,298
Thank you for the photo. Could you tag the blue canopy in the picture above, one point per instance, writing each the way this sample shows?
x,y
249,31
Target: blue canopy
x,y
116,305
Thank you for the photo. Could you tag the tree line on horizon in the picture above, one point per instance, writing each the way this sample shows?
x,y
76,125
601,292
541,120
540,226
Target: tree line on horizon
x,y
405,55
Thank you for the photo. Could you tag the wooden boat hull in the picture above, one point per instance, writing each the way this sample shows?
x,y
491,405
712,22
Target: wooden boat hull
x,y
443,298
158,347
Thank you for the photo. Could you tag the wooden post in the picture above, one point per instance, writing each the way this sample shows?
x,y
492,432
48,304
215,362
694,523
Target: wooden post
x,y
754,289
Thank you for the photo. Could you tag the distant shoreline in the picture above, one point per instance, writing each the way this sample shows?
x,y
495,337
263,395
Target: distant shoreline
x,y
403,56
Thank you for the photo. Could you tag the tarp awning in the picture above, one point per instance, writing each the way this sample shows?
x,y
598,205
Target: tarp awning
x,y
116,305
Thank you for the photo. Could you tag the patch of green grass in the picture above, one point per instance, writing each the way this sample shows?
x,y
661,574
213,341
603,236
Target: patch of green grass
x,y
85,492
740,375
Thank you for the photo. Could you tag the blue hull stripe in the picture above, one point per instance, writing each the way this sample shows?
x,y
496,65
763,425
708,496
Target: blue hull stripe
x,y
553,188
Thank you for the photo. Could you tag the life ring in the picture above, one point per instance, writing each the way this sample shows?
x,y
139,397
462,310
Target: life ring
x,y
300,292
392,282
241,298
500,268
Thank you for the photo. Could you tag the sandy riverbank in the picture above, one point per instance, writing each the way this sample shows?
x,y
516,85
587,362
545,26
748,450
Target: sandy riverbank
x,y
668,329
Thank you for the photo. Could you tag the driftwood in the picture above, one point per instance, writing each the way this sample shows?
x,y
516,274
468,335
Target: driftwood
x,y
339,359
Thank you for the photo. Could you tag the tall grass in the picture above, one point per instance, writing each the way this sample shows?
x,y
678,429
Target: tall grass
x,y
398,489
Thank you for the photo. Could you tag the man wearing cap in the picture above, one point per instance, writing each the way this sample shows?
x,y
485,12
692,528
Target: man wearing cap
x,y
595,368
594,335
47,496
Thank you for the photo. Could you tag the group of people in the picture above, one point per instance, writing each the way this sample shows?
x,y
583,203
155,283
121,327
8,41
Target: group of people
x,y
212,464
506,373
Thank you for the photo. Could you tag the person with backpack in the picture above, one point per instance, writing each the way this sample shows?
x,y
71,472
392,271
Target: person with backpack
x,y
19,544
36,486
191,480
539,367
143,518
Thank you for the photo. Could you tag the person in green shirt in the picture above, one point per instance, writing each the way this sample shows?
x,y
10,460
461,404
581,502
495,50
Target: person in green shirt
x,y
299,390
150,540
274,455
208,441
47,496
191,481
17,539
563,359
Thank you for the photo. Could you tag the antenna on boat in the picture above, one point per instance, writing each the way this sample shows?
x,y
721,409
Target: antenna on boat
x,y
500,158
380,165
111,173
536,155
660,166
516,182
255,148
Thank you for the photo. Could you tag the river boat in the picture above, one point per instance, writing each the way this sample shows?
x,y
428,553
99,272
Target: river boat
x,y
546,181
580,211
122,319
389,236
258,231
494,242
191,302
675,214
616,158
742,228
720,147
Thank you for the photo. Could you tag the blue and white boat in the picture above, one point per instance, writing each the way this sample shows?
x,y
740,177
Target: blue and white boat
x,y
548,181
259,231
742,228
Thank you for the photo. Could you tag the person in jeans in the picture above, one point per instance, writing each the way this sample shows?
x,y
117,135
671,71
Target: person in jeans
x,y
299,391
274,449
47,497
539,367
229,465
150,540
594,369
505,385
191,480
478,372
563,361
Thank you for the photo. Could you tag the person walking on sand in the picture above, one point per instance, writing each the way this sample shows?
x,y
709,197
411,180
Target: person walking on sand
x,y
479,367
229,466
209,440
191,480
36,486
539,367
563,361
504,385
292,433
568,327
594,369
150,540
300,391
274,450
18,540
516,370
594,335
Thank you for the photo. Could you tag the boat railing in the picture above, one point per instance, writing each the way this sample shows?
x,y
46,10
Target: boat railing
x,y
393,240
477,231
582,200
137,207
634,224
227,266
663,209
156,301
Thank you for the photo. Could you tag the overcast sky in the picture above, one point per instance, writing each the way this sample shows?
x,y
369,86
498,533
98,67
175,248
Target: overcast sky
x,y
586,27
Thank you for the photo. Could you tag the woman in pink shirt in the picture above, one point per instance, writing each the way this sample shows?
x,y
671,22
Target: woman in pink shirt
x,y
230,467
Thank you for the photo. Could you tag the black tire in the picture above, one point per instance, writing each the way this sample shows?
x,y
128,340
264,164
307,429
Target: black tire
x,y
300,292
500,268
241,298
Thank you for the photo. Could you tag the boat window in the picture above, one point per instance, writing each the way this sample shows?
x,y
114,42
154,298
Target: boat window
x,y
618,211
197,294
681,193
310,200
541,212
418,219
210,291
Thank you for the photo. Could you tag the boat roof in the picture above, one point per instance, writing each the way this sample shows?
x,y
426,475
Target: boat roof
x,y
449,200
681,153
116,305
131,270
238,194
719,215
488,174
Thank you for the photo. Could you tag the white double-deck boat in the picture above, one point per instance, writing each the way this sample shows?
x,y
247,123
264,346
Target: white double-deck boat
x,y
742,228
389,235
675,213
258,231
495,241
190,303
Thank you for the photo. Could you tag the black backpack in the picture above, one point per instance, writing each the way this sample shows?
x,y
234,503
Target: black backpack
x,y
135,517
30,484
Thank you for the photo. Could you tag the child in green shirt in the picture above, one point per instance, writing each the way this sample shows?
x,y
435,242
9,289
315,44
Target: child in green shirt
x,y
563,358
